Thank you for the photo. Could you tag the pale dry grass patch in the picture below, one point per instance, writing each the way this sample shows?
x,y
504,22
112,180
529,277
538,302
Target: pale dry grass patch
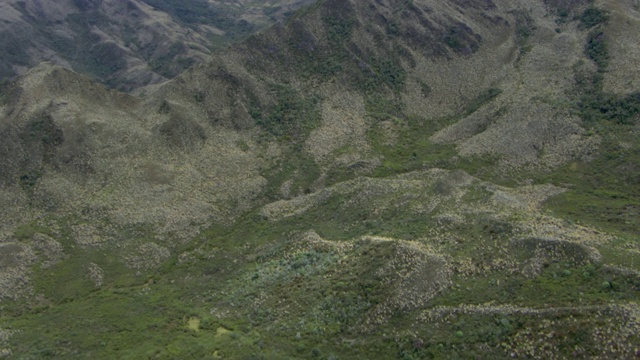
x,y
545,226
414,275
49,249
523,126
527,197
15,210
298,205
623,74
95,274
5,336
343,126
620,324
87,235
128,177
528,132
15,270
146,256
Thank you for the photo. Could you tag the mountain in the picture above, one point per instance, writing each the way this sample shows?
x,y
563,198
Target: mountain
x,y
127,43
370,179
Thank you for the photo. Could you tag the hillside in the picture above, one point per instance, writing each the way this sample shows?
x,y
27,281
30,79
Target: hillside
x,y
127,43
370,179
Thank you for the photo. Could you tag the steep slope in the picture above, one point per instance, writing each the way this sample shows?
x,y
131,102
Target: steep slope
x,y
410,179
127,44
424,67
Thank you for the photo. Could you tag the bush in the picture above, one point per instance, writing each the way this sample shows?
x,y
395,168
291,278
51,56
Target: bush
x,y
339,30
462,39
592,17
293,116
597,50
620,110
525,26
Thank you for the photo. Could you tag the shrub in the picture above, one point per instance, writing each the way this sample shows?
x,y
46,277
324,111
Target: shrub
x,y
339,30
592,17
293,116
525,26
596,49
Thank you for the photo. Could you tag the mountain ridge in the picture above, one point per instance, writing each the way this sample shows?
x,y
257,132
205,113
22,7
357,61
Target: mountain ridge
x,y
127,44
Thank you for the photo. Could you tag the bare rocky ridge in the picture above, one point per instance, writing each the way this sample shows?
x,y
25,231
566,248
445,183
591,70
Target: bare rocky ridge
x,y
273,182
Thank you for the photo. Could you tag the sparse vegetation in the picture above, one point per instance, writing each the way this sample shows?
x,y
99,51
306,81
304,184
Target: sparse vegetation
x,y
525,26
89,36
603,193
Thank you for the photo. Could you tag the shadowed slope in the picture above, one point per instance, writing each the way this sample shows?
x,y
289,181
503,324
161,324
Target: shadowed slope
x,y
127,43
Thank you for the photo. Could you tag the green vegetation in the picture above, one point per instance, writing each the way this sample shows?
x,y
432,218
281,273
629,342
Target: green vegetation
x,y
414,260
603,192
370,73
559,285
592,17
381,108
622,110
454,41
148,323
414,150
293,115
525,27
168,64
597,51
256,288
339,29
604,188
495,336
42,129
85,51
563,15
425,88
461,39
298,168
383,72
28,181
26,231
